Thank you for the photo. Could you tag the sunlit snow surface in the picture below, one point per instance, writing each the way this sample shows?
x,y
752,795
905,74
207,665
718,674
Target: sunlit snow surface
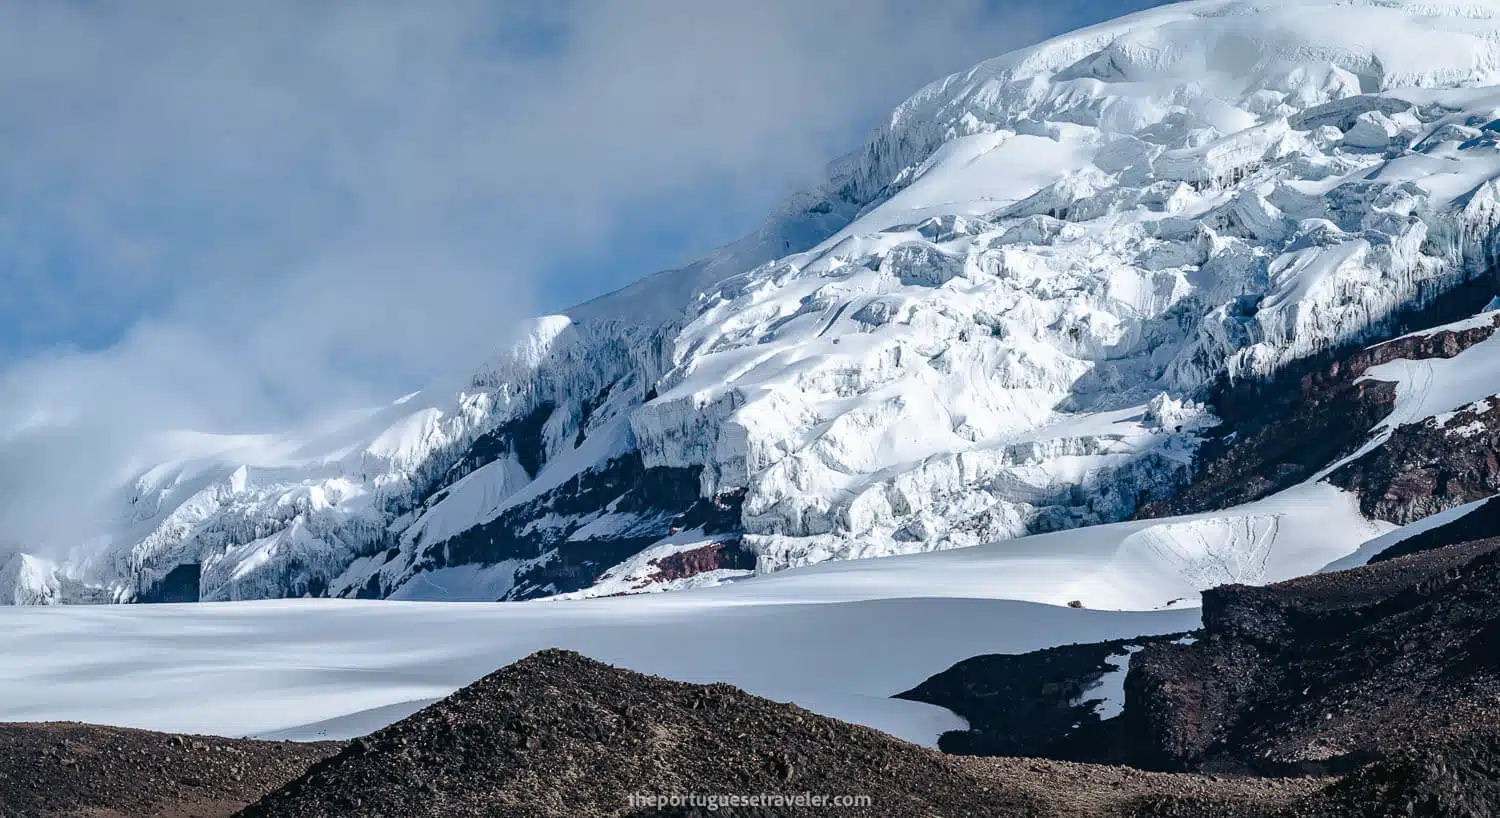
x,y
838,638
283,667
313,669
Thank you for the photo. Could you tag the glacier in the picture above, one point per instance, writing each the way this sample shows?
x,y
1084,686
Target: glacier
x,y
1000,317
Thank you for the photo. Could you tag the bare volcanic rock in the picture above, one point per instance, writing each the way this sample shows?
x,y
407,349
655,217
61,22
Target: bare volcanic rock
x,y
1321,675
1452,776
1458,776
110,772
557,734
1045,704
1479,524
1281,430
1327,672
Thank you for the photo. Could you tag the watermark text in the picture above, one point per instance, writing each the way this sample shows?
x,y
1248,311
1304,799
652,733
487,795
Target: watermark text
x,y
716,801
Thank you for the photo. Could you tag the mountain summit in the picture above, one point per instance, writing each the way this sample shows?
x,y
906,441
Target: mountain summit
x,y
1014,310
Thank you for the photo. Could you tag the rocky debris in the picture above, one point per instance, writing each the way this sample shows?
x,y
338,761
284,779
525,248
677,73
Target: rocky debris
x,y
1454,776
1428,467
1281,430
1325,673
557,734
59,769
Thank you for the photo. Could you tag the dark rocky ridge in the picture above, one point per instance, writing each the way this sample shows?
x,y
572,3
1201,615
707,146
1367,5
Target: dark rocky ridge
x,y
1327,672
1452,776
1478,524
1457,776
110,772
521,437
1318,675
664,499
1035,704
561,735
1427,467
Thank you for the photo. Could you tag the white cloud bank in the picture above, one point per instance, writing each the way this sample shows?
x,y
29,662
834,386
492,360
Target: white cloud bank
x,y
228,217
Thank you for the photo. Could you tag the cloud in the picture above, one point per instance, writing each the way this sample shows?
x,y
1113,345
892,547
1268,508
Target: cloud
x,y
230,217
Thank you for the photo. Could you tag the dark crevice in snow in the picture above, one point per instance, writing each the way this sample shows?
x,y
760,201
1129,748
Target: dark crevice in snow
x,y
521,437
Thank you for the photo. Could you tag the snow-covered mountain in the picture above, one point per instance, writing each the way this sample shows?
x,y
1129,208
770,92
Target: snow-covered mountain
x,y
1008,313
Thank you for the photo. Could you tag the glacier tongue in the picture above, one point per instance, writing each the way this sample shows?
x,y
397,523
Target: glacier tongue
x,y
998,317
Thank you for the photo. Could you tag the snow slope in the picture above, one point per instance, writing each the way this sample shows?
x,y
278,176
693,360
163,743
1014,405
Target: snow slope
x,y
1139,565
839,637
315,669
996,318
839,644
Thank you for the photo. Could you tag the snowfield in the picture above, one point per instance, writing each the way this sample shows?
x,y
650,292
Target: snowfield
x,y
838,638
325,668
310,669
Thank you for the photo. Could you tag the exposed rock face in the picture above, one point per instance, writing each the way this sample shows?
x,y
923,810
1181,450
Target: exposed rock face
x,y
1282,430
1328,671
713,557
1428,467
1481,523
1454,776
1317,675
566,538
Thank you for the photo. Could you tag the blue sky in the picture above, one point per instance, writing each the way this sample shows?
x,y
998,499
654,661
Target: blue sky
x,y
229,217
